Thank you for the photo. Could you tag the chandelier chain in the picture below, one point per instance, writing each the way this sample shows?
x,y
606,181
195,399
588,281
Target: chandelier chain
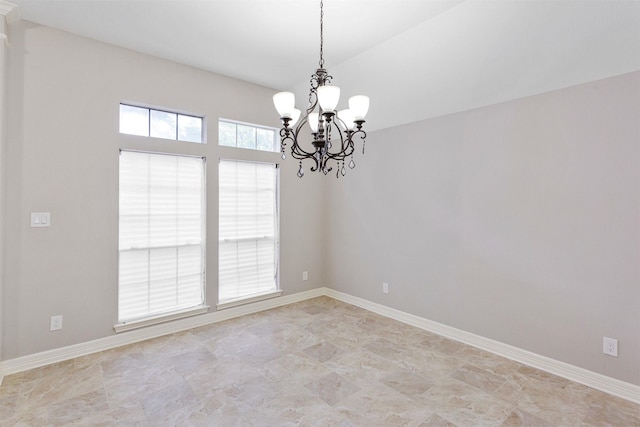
x,y
321,34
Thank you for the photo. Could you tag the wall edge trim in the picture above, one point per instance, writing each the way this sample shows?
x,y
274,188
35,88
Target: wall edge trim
x,y
36,360
583,376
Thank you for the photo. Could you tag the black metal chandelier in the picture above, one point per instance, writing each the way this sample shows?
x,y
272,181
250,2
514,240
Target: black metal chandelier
x,y
332,131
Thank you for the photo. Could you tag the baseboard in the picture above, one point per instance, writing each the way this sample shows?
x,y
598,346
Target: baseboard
x,y
37,360
591,379
580,375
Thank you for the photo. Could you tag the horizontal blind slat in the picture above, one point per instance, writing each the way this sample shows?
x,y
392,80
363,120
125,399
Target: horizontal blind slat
x,y
161,234
248,242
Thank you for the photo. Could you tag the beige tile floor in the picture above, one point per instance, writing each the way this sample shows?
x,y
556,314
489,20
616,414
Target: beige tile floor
x,y
315,363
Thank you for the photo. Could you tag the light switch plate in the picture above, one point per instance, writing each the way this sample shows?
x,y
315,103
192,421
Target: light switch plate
x,y
40,219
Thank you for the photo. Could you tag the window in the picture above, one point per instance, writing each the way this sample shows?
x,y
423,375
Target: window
x,y
144,121
244,135
161,237
248,230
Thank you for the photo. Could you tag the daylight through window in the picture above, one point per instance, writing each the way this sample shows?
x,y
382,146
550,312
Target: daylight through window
x,y
161,234
248,229
144,121
244,135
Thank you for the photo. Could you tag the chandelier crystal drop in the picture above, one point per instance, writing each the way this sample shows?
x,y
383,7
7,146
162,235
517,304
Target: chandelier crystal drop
x,y
332,132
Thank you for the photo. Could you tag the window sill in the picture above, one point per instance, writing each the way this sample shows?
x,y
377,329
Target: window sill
x,y
135,324
242,301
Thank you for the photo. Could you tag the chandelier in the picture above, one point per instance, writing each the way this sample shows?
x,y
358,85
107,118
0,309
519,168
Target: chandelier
x,y
332,132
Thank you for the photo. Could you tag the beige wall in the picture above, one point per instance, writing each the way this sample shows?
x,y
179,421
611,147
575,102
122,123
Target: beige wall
x,y
517,222
3,140
62,157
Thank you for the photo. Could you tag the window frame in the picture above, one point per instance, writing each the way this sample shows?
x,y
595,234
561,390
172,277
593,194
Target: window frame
x,y
276,139
151,109
259,296
178,312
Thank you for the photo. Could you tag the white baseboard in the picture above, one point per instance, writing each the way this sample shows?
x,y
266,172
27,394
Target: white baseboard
x,y
591,379
44,358
580,375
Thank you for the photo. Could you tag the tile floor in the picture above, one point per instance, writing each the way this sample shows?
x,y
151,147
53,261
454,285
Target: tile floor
x,y
315,363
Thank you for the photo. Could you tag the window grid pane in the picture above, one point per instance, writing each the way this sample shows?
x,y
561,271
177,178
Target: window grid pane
x,y
242,135
134,120
246,137
154,123
163,124
227,134
189,128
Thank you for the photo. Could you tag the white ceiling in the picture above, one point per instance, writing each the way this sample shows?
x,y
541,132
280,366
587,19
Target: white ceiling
x,y
415,58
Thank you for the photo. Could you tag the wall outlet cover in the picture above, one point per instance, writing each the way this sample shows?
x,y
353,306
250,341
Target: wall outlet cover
x,y
56,323
610,346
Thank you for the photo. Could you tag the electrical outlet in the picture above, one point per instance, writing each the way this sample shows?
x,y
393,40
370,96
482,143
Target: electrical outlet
x,y
610,346
56,323
385,288
305,275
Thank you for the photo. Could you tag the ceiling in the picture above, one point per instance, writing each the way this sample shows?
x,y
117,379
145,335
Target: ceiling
x,y
416,59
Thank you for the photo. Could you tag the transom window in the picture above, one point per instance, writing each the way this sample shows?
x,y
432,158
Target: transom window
x,y
244,135
143,121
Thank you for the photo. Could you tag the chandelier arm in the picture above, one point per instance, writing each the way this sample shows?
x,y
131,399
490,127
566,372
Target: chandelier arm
x,y
363,136
362,133
346,145
296,150
337,127
296,155
341,155
285,134
313,94
319,78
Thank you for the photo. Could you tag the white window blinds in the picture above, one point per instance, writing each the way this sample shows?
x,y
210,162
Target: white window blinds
x,y
248,229
161,237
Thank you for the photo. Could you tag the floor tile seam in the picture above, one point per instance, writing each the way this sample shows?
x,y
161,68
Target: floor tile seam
x,y
12,410
543,415
477,389
505,376
110,403
544,411
413,398
629,411
8,395
504,381
56,399
508,414
66,402
378,384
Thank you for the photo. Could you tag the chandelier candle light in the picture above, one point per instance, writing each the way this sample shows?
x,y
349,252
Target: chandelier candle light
x,y
332,131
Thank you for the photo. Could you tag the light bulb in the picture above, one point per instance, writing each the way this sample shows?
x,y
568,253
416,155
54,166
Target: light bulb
x,y
313,122
284,103
359,105
347,119
328,97
294,117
